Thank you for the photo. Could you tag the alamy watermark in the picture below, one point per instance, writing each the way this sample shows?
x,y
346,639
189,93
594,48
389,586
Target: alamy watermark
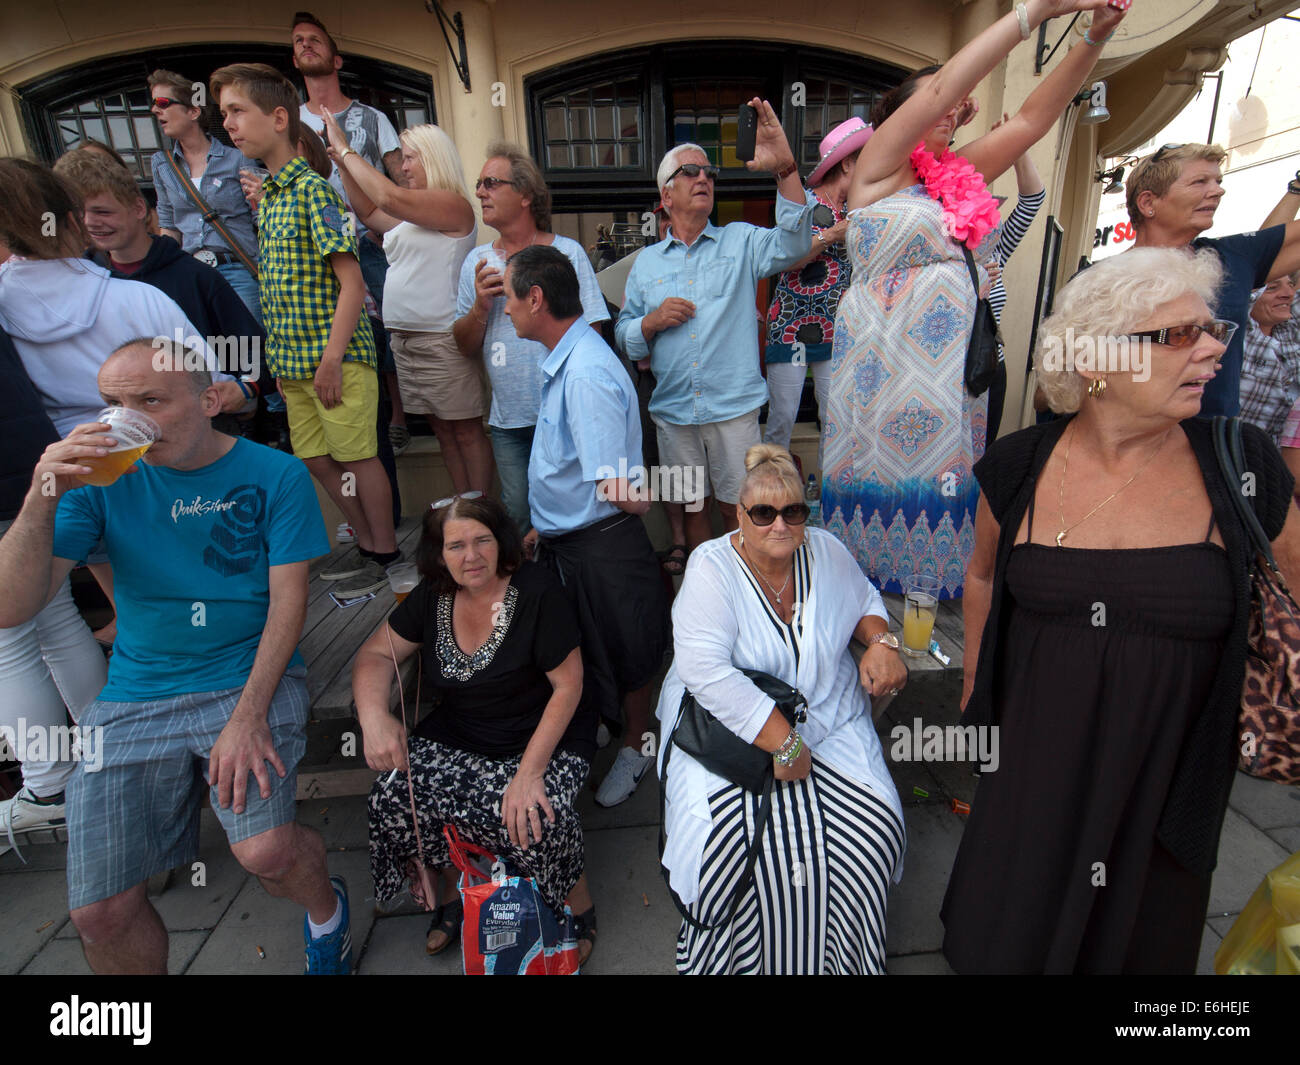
x,y
1104,354
238,355
919,742
670,484
24,742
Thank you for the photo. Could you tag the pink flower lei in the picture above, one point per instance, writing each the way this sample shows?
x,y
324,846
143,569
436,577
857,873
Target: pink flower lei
x,y
970,212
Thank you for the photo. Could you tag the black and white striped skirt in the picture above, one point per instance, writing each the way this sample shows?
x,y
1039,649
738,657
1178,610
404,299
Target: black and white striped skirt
x,y
818,898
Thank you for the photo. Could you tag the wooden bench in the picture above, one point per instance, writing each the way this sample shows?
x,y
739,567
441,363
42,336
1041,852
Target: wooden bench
x,y
331,638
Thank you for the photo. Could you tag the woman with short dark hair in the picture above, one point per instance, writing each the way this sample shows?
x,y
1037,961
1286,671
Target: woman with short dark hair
x,y
500,757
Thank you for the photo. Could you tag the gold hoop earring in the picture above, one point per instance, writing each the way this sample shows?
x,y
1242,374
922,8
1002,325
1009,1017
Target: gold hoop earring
x,y
1097,388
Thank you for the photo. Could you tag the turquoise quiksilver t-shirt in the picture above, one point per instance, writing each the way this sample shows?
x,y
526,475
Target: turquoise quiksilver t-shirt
x,y
190,551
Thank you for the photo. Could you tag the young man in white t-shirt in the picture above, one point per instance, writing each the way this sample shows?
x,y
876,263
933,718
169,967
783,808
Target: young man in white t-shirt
x,y
372,136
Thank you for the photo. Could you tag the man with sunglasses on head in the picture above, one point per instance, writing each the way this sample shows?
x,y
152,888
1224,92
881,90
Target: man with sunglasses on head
x,y
514,201
1172,197
213,170
586,501
689,308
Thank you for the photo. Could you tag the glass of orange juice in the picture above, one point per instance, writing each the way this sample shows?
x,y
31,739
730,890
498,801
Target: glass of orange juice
x,y
134,433
920,605
402,579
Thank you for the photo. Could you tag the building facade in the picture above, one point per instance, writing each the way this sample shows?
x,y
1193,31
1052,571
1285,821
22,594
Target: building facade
x,y
599,89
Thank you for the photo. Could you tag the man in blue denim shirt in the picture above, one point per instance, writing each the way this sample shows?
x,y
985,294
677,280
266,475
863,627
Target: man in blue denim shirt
x,y
690,308
214,170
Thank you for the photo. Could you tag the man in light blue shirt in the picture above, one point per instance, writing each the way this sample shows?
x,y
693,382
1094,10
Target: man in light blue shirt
x,y
690,308
586,493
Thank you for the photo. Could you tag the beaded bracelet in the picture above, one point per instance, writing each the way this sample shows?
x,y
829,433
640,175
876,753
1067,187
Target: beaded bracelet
x,y
789,752
1087,38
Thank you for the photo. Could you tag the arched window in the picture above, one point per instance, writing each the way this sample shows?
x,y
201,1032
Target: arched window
x,y
108,100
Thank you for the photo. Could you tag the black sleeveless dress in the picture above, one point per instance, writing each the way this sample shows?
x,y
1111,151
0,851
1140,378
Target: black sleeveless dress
x,y
1109,656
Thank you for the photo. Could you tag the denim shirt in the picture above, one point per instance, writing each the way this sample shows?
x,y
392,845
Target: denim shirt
x,y
707,369
219,185
588,430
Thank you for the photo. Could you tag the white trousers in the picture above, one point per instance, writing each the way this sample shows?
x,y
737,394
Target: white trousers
x,y
784,389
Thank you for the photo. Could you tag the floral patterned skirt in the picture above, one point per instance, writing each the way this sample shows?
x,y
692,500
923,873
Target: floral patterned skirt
x,y
464,789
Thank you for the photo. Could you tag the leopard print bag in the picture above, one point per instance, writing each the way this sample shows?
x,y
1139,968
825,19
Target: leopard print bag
x,y
1270,696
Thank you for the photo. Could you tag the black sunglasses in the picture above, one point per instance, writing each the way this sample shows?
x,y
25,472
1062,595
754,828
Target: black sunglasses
x,y
1165,148
164,102
761,514
1184,336
490,183
693,170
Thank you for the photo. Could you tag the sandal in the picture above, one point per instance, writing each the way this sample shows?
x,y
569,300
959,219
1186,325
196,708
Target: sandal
x,y
584,927
447,919
674,562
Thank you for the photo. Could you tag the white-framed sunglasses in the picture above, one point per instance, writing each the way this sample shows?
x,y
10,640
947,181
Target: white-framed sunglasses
x,y
451,499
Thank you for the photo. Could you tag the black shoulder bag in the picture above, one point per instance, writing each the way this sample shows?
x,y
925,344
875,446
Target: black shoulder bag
x,y
721,751
982,352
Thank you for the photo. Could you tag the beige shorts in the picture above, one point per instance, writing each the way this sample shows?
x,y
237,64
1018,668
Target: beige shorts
x,y
435,378
716,450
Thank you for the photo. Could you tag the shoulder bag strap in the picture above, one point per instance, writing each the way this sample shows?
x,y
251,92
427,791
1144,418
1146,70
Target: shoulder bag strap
x,y
970,265
209,215
751,857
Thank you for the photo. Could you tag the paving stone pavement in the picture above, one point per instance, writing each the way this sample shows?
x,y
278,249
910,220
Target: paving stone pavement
x,y
219,916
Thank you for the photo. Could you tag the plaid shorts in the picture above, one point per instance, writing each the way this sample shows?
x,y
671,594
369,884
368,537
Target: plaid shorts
x,y
138,813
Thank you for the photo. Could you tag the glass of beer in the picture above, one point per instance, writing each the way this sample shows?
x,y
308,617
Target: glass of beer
x,y
135,434
402,578
920,605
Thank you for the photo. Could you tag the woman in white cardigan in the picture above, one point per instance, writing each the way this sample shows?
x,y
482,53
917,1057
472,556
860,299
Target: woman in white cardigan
x,y
785,599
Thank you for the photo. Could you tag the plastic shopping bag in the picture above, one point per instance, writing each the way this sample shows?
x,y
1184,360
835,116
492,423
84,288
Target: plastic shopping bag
x,y
508,930
1265,938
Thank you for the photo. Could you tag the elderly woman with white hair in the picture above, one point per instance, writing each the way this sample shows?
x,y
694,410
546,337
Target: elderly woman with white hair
x,y
429,230
785,599
1106,611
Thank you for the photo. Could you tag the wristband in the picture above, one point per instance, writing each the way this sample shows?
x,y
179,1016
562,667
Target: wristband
x,y
1022,17
1293,186
248,392
786,171
1087,38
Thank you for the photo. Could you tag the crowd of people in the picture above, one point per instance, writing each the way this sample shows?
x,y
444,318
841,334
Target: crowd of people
x,y
351,257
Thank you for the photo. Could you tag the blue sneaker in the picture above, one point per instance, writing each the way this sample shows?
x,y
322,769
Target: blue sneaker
x,y
331,955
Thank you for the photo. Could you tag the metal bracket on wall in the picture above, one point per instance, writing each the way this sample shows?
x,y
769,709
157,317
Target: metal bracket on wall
x,y
457,26
1041,60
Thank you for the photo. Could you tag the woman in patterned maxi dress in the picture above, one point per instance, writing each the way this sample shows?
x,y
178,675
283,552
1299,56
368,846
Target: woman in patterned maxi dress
x,y
901,432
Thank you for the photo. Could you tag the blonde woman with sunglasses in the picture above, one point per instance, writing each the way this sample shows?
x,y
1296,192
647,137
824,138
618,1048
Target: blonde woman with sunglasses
x,y
1105,613
786,599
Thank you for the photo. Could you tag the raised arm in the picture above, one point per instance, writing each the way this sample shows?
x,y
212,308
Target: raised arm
x,y
883,162
387,202
1287,206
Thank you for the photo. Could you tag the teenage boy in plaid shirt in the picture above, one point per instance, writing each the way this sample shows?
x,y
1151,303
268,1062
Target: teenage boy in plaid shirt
x,y
319,343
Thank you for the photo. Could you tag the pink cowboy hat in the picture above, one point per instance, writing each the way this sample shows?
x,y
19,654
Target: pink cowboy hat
x,y
841,142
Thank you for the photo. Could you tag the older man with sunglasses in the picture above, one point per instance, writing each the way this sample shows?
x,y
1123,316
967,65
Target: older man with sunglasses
x,y
516,203
689,308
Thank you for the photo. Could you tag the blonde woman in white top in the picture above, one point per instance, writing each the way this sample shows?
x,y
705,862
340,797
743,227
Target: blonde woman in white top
x,y
786,599
428,229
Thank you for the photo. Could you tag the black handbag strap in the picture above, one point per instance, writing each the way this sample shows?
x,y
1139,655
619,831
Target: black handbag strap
x,y
970,265
751,857
1232,464
209,215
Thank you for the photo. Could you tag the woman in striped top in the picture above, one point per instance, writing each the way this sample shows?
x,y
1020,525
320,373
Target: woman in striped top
x,y
1030,196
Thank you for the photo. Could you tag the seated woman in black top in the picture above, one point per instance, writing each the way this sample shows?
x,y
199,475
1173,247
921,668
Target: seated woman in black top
x,y
503,755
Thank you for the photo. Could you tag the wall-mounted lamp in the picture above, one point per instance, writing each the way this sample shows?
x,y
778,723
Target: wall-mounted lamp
x,y
1095,95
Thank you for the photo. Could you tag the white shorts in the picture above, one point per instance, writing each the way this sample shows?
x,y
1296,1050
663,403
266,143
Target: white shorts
x,y
718,449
